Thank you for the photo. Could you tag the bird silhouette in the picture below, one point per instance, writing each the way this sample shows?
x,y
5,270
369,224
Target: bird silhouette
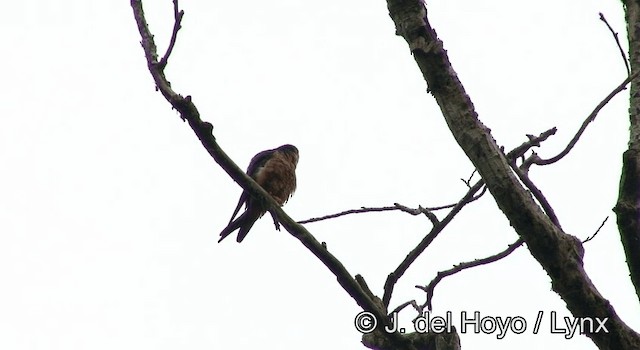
x,y
275,171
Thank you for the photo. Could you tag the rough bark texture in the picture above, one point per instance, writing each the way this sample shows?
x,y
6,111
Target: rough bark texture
x,y
558,253
627,208
420,341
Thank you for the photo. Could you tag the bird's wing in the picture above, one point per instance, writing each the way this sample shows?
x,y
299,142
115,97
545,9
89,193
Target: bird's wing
x,y
241,201
255,165
258,161
244,222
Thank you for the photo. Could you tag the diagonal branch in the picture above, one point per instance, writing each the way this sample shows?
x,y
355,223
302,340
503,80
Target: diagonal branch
x,y
597,231
521,171
405,304
468,181
177,15
203,131
393,277
591,117
469,197
615,37
538,194
429,288
558,253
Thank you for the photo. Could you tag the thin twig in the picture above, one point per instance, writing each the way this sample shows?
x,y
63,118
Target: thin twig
x,y
447,206
598,230
177,15
534,141
405,304
429,289
615,36
420,210
589,119
468,181
347,212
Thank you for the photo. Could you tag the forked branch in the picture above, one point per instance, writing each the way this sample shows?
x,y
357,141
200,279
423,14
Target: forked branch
x,y
392,278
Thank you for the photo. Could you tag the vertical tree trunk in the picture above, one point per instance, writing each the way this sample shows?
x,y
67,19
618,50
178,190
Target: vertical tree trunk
x,y
627,208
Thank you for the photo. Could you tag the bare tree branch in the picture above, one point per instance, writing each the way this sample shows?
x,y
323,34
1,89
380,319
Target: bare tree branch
x,y
203,131
558,253
468,181
538,194
429,288
615,37
512,156
534,141
393,277
177,15
470,196
405,304
596,233
515,153
589,119
396,206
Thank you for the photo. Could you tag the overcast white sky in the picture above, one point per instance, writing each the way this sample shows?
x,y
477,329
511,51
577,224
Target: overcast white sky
x,y
110,208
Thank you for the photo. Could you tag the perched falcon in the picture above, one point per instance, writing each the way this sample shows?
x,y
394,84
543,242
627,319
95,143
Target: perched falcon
x,y
275,171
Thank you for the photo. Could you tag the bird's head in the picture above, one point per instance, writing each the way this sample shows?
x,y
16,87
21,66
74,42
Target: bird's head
x,y
291,151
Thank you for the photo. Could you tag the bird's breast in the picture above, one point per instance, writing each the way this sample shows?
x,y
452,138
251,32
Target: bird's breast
x,y
278,177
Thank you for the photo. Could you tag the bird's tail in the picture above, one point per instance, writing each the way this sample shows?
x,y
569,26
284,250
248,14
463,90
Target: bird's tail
x,y
244,222
252,217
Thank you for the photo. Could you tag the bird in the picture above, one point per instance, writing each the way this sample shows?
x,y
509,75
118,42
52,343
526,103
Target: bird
x,y
275,171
